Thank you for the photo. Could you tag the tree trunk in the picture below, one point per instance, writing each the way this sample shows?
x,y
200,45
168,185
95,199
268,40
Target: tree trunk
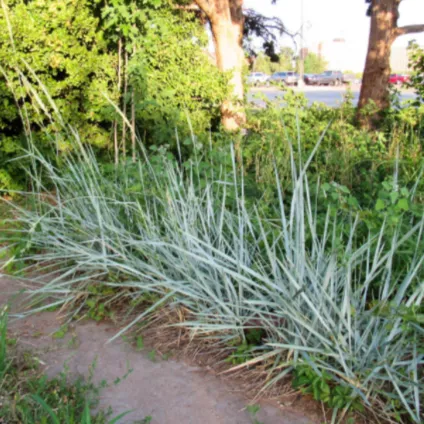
x,y
227,24
384,31
230,56
375,82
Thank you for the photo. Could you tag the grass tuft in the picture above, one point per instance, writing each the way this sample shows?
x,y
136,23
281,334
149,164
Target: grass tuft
x,y
339,309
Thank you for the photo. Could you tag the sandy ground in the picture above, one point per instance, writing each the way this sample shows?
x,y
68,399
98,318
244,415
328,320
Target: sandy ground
x,y
172,392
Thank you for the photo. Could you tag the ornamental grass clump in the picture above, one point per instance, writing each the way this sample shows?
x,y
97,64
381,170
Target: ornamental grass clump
x,y
333,312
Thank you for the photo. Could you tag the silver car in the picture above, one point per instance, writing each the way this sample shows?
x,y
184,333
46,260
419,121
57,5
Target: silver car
x,y
288,78
258,78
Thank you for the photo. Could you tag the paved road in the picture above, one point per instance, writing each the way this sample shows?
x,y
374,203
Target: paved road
x,y
331,96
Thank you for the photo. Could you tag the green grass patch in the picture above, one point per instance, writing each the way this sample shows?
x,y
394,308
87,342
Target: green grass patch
x,y
28,396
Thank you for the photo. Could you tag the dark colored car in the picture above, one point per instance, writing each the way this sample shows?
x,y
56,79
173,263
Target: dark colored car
x,y
309,79
328,78
398,79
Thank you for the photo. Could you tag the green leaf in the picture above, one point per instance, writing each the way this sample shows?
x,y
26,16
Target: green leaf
x,y
404,192
46,408
394,196
403,205
253,409
120,416
380,205
140,343
152,355
60,334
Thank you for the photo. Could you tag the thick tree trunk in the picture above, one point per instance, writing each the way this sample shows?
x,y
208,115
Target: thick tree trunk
x,y
375,82
227,24
230,57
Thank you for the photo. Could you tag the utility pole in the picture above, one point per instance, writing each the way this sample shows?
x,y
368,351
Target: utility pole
x,y
301,82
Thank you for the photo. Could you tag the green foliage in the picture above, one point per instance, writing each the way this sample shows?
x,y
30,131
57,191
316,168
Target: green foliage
x,y
321,290
416,65
314,64
66,56
10,142
357,159
54,52
173,78
28,396
61,333
98,302
57,44
253,411
169,74
246,349
242,354
324,388
263,63
4,363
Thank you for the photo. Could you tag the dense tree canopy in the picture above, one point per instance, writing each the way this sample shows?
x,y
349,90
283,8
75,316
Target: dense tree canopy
x,y
59,42
314,64
283,61
257,26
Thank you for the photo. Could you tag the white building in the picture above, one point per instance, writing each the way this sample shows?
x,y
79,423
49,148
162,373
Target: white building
x,y
399,59
341,54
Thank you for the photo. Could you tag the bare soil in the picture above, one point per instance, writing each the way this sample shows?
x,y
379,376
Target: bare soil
x,y
170,391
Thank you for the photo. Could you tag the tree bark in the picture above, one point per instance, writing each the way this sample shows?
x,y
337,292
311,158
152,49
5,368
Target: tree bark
x,y
375,83
227,23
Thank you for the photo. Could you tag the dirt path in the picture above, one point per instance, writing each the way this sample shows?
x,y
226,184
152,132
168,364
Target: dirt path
x,y
171,392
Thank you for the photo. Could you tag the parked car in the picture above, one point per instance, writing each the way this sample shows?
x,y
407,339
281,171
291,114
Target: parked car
x,y
398,79
288,78
309,79
258,78
328,78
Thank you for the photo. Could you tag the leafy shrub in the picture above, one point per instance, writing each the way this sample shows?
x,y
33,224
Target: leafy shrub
x,y
173,77
416,63
322,387
52,55
79,57
57,44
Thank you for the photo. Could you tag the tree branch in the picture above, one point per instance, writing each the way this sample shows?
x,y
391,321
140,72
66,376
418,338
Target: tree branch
x,y
409,29
207,6
194,7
